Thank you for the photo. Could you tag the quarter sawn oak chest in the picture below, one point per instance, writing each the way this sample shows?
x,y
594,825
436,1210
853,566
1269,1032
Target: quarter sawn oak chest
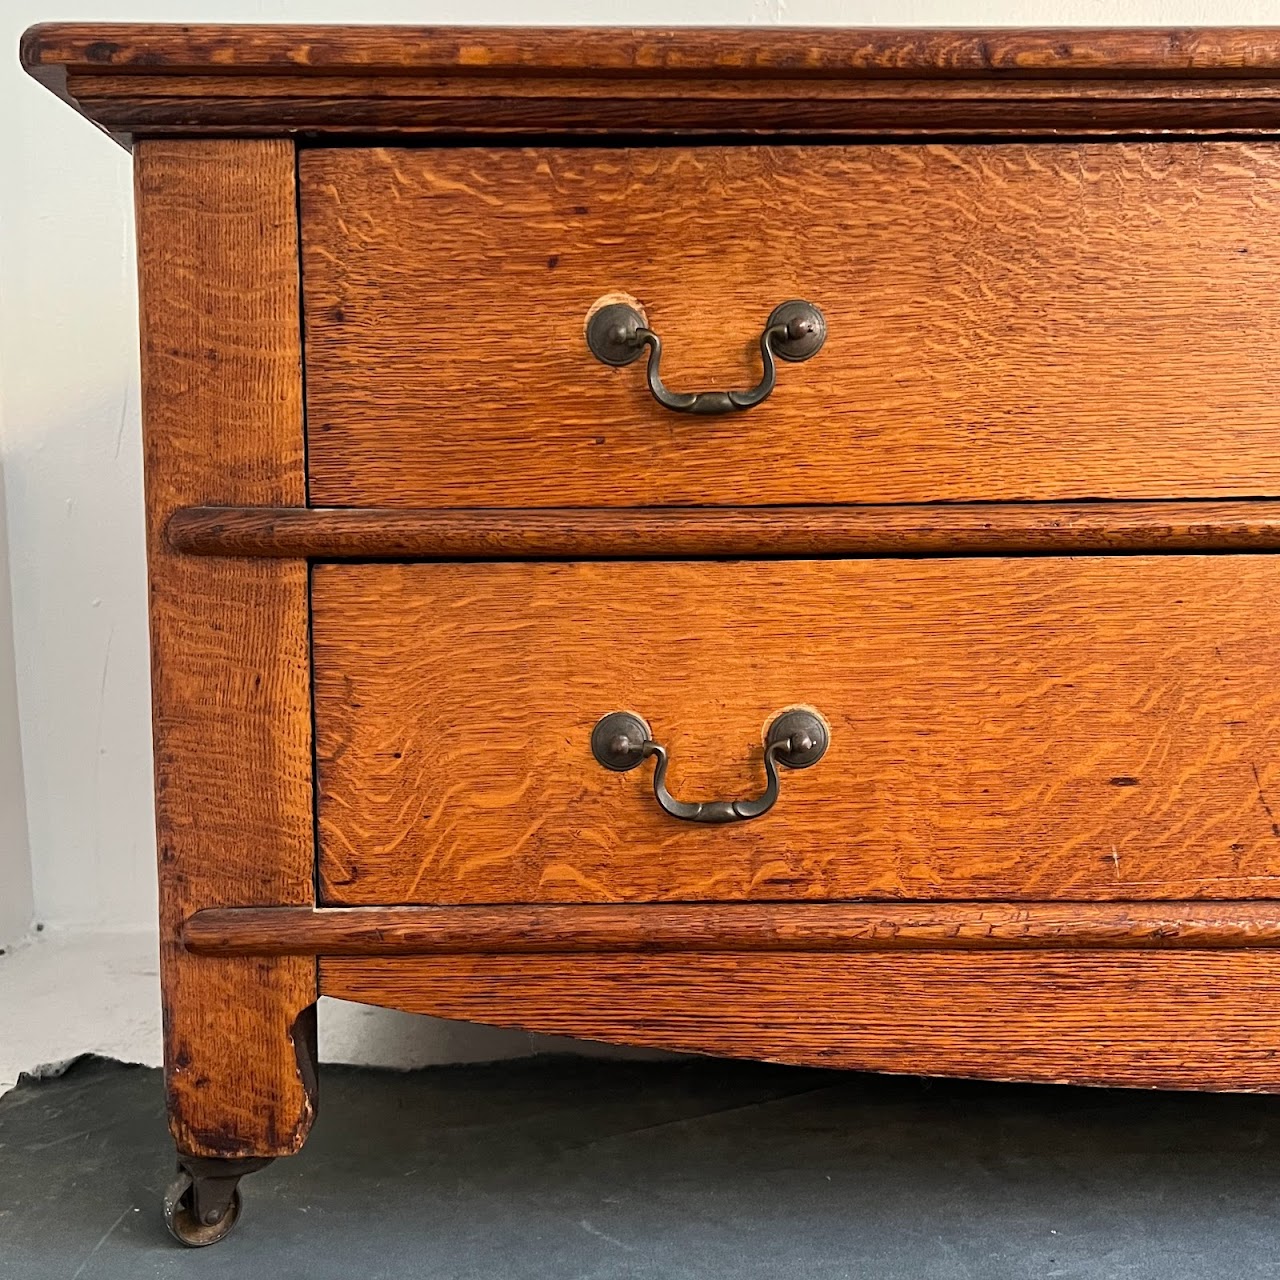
x,y
749,542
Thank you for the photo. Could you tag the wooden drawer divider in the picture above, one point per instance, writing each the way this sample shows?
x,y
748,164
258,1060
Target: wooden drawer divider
x,y
675,927
602,533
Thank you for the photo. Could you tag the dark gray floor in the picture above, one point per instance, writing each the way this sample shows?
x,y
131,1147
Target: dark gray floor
x,y
572,1169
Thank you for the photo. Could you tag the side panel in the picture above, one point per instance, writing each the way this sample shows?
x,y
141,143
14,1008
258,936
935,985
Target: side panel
x,y
222,378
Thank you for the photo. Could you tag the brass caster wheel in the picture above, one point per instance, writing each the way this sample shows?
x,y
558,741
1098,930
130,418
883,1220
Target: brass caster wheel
x,y
180,1214
202,1203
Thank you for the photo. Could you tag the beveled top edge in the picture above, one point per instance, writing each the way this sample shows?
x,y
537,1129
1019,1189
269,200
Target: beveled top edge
x,y
731,53
417,83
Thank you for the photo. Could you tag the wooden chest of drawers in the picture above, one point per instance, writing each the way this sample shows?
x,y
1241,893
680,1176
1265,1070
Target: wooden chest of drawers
x,y
752,542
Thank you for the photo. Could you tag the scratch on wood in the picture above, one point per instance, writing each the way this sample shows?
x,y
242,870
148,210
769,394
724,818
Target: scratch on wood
x,y
1262,800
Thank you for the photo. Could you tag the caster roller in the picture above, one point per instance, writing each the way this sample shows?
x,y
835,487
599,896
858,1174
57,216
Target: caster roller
x,y
180,1214
202,1203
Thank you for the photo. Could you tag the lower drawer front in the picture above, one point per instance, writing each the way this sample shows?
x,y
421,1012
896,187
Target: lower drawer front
x,y
1085,728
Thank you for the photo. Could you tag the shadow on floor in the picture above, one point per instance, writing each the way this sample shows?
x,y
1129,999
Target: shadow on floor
x,y
583,1169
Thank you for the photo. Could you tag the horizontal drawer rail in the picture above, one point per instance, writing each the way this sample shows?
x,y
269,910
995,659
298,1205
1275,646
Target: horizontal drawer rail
x,y
674,927
551,533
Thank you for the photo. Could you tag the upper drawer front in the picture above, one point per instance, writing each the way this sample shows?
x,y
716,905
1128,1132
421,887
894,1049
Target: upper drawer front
x,y
1008,321
1038,728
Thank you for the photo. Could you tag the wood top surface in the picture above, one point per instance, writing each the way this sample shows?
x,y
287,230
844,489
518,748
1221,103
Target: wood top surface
x,y
269,50
144,79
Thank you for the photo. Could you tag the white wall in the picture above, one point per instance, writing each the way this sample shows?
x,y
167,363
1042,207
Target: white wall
x,y
16,901
71,454
17,906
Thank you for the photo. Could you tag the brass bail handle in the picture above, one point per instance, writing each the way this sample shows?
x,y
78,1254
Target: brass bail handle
x,y
617,334
796,739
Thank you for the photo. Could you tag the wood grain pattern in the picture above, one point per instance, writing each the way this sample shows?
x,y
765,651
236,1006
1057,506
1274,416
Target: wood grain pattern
x,y
656,53
1062,769
988,528
1154,1020
686,927
1092,728
1006,322
148,79
222,414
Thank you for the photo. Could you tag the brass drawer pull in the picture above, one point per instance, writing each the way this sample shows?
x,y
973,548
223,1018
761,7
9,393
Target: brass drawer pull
x,y
618,334
796,739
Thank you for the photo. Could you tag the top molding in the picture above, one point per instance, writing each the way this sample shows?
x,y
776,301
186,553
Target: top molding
x,y
136,80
